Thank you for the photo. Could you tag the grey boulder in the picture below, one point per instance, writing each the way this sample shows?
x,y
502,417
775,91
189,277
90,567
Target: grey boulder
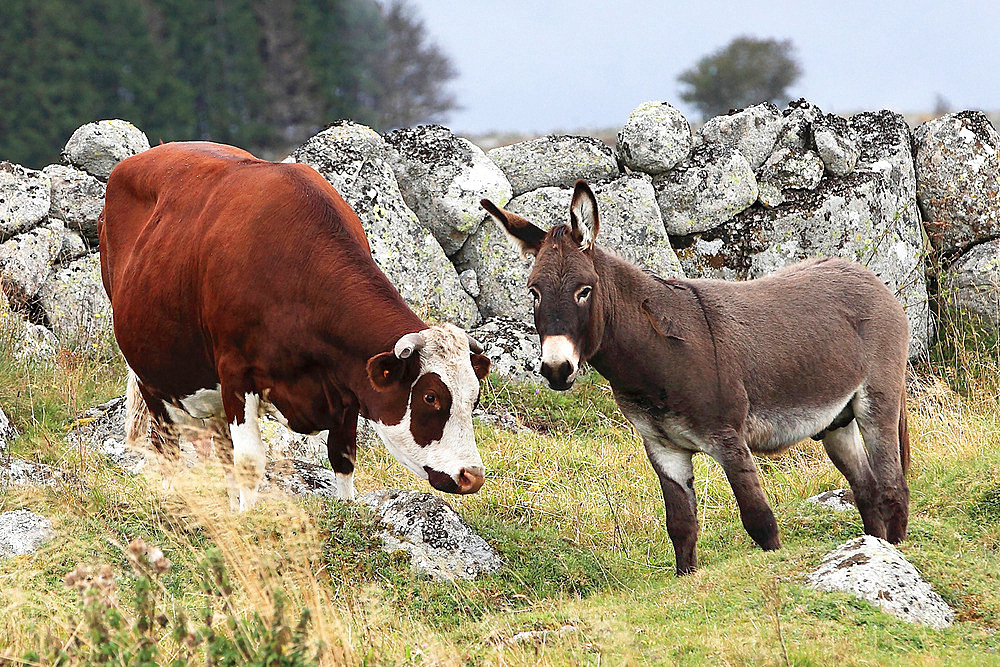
x,y
300,478
97,147
553,160
972,282
77,307
23,532
27,259
836,143
654,139
752,131
351,157
442,178
25,198
874,570
958,179
77,199
839,500
7,432
512,346
786,169
16,472
796,125
439,541
704,191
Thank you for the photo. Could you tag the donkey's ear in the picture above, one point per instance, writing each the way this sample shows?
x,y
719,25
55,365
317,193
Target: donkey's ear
x,y
525,236
583,216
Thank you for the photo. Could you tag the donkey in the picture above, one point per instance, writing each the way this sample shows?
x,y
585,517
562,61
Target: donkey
x,y
818,349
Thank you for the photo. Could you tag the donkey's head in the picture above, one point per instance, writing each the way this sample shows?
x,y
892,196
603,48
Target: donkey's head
x,y
563,284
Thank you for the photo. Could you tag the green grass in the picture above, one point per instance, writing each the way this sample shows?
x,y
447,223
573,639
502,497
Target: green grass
x,y
575,511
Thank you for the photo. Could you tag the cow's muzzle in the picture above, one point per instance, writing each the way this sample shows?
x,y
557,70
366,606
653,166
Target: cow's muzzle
x,y
469,480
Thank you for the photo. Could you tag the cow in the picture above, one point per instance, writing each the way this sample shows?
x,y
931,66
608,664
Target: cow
x,y
237,284
818,349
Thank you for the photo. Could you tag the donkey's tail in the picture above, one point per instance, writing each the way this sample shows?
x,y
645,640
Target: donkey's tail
x,y
136,414
904,435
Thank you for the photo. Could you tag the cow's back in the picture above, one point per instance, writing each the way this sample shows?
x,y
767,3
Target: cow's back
x,y
198,240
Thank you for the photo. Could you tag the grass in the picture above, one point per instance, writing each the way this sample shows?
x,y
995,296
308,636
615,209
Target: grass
x,y
575,511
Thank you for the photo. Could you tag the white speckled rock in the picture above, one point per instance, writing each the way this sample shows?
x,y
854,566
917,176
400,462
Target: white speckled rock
x,y
17,472
23,532
512,346
785,169
77,199
442,178
972,282
352,158
439,541
25,198
839,500
630,225
796,125
958,179
876,571
77,307
553,160
97,147
7,432
299,478
752,131
26,259
836,143
712,186
655,138
854,216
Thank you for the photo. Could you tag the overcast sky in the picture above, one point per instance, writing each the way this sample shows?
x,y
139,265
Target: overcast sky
x,y
536,66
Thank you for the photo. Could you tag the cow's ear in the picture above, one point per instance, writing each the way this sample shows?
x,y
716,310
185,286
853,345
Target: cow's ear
x,y
481,364
525,236
386,370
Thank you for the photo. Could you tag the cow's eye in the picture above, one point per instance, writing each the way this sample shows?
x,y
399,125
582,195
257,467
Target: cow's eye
x,y
430,399
583,293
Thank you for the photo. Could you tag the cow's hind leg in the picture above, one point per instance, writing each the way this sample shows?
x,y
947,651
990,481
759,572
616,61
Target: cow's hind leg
x,y
736,460
341,448
845,449
163,433
249,456
673,467
878,418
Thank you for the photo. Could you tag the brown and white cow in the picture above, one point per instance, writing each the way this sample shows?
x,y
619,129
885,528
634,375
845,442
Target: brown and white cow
x,y
728,368
235,281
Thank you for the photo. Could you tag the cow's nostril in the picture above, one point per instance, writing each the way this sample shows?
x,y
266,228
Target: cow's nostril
x,y
470,480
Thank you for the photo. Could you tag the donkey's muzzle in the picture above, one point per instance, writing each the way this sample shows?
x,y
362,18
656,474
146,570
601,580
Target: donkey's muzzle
x,y
560,374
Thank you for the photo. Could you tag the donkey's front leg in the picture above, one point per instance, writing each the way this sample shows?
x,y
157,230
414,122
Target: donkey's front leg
x,y
673,467
732,453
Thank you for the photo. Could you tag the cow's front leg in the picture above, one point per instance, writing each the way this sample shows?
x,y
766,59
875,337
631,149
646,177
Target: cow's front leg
x,y
674,468
249,455
341,448
734,456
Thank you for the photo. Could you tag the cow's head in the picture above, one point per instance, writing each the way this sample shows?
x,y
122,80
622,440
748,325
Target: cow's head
x,y
563,283
429,385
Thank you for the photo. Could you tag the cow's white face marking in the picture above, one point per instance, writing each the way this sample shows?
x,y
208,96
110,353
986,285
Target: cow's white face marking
x,y
559,349
446,353
249,457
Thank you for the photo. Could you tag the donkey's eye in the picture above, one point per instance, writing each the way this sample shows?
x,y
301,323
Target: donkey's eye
x,y
583,293
535,294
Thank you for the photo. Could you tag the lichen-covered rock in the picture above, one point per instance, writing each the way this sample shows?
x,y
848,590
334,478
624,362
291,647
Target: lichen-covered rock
x,y
630,225
655,138
876,571
752,131
552,161
972,282
836,143
77,199
854,217
26,259
839,500
439,541
300,478
512,346
25,198
101,429
7,432
958,179
785,169
23,532
796,125
77,307
704,191
17,472
97,147
352,158
442,178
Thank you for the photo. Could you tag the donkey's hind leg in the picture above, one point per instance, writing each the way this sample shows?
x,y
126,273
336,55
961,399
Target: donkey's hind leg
x,y
845,449
878,419
732,453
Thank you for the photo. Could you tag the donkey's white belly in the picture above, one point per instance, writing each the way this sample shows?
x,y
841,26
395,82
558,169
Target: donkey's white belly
x,y
774,430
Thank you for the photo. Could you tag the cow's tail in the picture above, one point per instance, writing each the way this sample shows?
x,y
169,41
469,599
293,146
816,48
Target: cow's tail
x,y
904,435
136,414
